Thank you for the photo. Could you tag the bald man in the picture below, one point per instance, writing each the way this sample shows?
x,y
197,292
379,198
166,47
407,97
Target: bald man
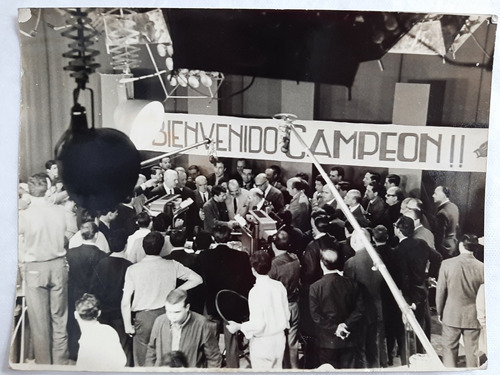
x,y
237,199
271,194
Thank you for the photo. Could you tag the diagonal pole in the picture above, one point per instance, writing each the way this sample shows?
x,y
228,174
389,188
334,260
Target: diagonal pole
x,y
378,263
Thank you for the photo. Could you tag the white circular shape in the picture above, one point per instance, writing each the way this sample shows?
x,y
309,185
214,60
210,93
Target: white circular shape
x,y
193,82
182,80
206,80
173,81
170,50
170,63
162,50
24,15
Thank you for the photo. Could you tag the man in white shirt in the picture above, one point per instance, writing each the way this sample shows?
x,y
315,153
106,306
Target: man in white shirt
x,y
269,317
134,251
149,282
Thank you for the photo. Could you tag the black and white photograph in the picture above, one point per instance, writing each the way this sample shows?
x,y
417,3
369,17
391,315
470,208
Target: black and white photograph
x,y
269,187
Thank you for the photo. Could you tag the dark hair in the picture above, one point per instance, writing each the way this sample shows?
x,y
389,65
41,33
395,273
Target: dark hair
x,y
394,179
380,233
281,240
176,296
153,243
178,238
399,194
143,219
175,359
117,240
37,184
276,170
202,241
304,177
88,215
406,225
378,188
322,223
87,307
446,191
218,190
195,167
320,179
300,185
470,241
374,176
330,261
344,185
221,233
88,230
219,161
50,163
261,262
339,170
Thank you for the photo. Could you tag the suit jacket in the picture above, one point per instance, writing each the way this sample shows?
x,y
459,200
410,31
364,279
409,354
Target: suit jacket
x,y
224,268
300,210
359,268
126,220
242,202
375,211
198,200
335,299
311,269
198,342
445,229
192,214
413,255
459,280
275,197
213,216
426,235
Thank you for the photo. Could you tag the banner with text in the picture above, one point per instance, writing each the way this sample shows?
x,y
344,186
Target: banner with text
x,y
368,145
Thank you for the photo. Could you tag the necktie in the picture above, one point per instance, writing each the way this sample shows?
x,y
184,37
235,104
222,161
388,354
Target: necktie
x,y
235,205
204,197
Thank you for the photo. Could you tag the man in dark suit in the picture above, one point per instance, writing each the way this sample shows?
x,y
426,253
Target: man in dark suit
x,y
299,204
446,223
219,176
201,196
459,281
126,218
215,210
106,217
224,268
413,255
271,194
336,309
353,201
359,269
192,214
376,205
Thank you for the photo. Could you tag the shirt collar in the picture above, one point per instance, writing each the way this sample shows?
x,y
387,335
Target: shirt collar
x,y
334,271
182,325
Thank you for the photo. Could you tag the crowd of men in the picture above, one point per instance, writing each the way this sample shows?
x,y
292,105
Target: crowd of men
x,y
155,277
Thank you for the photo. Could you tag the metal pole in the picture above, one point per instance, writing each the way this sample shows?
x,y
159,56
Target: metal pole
x,y
207,141
378,263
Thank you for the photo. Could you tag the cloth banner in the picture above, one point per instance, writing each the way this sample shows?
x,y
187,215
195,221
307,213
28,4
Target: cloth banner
x,y
342,143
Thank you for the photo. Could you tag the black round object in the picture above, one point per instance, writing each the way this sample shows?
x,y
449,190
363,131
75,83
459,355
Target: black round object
x,y
232,306
99,167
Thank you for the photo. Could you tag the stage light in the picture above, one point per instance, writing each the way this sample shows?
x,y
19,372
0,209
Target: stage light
x,y
99,167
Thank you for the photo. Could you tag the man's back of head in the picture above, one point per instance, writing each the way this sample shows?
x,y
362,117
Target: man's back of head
x,y
221,234
153,243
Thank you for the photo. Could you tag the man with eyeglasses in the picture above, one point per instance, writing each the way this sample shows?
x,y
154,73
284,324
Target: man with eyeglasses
x,y
393,198
271,194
